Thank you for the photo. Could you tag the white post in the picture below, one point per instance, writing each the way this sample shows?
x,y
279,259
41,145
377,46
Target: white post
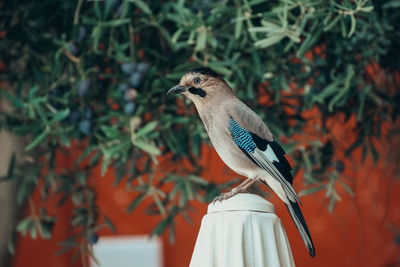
x,y
242,231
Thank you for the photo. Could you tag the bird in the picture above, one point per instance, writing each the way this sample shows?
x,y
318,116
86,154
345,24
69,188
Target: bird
x,y
242,140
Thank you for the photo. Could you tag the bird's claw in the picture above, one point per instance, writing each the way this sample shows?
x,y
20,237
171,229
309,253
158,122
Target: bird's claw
x,y
218,198
225,196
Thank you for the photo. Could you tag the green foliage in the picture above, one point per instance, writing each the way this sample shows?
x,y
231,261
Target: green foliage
x,y
97,72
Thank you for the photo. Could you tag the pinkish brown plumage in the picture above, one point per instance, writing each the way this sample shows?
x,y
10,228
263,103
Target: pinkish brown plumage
x,y
242,140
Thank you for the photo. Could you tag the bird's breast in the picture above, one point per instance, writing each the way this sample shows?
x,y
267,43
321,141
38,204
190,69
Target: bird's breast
x,y
229,152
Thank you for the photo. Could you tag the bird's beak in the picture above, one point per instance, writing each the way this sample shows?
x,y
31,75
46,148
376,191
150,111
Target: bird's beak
x,y
177,90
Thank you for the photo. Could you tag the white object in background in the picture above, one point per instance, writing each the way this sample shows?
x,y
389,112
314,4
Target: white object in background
x,y
128,251
242,231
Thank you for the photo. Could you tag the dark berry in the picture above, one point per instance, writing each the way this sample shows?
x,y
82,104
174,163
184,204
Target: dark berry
x,y
93,238
194,10
75,116
130,94
129,108
397,239
89,113
57,92
135,79
83,87
73,49
143,67
47,223
54,97
128,68
123,87
318,89
339,166
85,126
120,9
115,4
312,159
81,34
101,84
206,7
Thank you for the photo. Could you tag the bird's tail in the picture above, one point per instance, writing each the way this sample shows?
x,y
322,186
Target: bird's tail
x,y
301,225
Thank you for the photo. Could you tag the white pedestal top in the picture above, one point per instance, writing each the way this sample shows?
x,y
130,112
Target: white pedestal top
x,y
242,231
249,202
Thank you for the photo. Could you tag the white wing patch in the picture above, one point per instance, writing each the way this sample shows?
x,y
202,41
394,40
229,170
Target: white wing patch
x,y
270,154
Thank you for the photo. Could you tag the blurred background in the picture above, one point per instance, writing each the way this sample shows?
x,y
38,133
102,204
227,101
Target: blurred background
x,y
94,153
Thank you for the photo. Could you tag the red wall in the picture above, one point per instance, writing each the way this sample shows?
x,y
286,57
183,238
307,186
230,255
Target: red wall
x,y
360,231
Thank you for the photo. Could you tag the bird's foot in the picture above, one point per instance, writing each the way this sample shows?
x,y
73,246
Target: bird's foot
x,y
239,189
225,196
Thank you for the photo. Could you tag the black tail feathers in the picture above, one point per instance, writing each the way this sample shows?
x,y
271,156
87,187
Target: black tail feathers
x,y
301,225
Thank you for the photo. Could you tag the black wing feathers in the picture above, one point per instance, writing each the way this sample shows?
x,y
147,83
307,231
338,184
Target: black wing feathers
x,y
247,142
283,165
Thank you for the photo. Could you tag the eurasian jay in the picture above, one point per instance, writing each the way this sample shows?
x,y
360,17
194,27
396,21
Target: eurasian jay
x,y
242,140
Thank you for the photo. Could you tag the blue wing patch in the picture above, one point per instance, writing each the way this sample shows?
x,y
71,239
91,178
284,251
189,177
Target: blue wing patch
x,y
248,142
241,136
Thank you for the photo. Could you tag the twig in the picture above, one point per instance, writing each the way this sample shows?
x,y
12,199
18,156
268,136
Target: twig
x,y
77,12
83,254
32,209
73,58
349,12
76,60
55,83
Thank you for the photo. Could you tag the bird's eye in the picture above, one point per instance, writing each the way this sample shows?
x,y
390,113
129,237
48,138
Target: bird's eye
x,y
196,80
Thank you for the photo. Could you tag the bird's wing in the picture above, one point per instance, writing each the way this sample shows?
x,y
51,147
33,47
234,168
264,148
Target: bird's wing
x,y
253,137
255,140
248,119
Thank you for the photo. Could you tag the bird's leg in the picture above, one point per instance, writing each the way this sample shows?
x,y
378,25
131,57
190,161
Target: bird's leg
x,y
238,189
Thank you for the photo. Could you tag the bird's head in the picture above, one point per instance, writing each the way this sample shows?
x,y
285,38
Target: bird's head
x,y
201,85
